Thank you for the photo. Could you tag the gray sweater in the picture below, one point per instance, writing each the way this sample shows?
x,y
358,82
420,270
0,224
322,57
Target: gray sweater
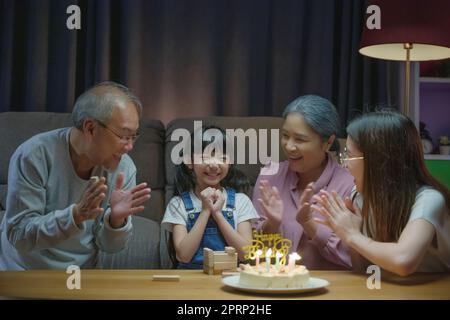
x,y
38,230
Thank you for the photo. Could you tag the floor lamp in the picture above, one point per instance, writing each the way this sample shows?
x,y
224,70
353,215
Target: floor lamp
x,y
408,30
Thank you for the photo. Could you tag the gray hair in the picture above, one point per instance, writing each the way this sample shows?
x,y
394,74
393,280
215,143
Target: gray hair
x,y
99,101
320,114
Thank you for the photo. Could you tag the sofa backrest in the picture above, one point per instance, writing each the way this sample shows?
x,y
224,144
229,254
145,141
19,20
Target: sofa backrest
x,y
148,153
17,127
244,123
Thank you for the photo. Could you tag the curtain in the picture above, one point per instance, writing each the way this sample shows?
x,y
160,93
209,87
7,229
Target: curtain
x,y
191,57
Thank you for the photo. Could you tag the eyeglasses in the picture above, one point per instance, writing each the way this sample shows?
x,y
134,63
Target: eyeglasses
x,y
344,158
123,138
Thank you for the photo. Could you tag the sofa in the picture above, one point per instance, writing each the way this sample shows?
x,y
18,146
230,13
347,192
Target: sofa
x,y
151,154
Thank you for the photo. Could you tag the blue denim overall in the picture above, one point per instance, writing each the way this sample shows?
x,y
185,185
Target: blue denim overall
x,y
212,237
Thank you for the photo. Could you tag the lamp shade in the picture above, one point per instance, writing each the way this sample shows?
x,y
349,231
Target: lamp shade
x,y
424,24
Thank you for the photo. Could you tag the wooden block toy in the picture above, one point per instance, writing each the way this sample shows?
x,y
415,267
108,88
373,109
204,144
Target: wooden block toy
x,y
230,250
216,262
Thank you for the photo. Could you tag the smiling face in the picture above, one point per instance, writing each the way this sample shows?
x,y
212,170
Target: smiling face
x,y
209,170
303,147
356,166
106,147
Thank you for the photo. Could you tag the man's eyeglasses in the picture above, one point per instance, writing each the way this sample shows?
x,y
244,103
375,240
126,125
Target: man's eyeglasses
x,y
125,139
344,158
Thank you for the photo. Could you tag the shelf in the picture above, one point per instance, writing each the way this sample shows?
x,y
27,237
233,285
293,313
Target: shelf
x,y
437,157
434,80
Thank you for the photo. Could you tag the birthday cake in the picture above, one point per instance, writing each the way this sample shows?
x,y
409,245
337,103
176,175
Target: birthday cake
x,y
275,277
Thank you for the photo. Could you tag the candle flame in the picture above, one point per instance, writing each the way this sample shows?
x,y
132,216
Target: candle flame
x,y
279,254
295,256
258,252
268,253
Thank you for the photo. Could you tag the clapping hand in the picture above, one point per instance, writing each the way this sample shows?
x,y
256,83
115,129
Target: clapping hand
x,y
341,216
271,203
304,212
89,206
126,202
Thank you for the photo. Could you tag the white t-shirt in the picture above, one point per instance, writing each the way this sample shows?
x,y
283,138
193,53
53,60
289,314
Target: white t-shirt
x,y
430,206
176,211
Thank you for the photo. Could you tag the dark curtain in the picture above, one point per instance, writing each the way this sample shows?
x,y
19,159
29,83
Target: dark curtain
x,y
190,57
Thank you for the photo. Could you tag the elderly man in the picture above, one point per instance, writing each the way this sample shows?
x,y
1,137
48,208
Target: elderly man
x,y
71,191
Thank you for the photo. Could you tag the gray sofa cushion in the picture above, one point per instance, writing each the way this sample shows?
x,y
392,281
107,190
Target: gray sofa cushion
x,y
143,250
17,127
2,197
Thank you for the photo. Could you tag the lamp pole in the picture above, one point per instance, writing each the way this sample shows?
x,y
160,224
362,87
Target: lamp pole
x,y
408,46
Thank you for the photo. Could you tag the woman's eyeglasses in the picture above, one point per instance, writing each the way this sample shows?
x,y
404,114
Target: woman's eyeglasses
x,y
344,158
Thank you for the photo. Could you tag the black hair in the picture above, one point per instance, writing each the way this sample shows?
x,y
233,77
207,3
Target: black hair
x,y
185,180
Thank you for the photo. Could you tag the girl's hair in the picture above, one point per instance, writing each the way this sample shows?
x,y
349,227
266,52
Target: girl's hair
x,y
320,114
394,169
185,180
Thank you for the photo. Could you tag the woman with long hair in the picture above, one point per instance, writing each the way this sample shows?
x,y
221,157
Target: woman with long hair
x,y
399,218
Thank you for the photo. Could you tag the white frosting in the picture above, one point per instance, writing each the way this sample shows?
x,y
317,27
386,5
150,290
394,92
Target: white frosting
x,y
276,277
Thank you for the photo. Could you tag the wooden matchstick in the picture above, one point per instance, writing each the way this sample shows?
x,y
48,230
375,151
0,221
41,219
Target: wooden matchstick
x,y
165,277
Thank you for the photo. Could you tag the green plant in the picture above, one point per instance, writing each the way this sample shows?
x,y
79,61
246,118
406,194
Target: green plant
x,y
444,141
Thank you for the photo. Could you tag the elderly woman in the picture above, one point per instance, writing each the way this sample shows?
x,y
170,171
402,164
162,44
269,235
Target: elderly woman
x,y
284,191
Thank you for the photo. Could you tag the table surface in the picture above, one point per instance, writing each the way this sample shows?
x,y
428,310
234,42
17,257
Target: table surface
x,y
194,284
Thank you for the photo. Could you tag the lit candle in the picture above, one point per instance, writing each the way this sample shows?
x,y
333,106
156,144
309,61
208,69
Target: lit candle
x,y
268,254
258,253
292,258
278,255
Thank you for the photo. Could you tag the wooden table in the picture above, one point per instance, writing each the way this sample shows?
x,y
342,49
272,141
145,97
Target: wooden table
x,y
194,284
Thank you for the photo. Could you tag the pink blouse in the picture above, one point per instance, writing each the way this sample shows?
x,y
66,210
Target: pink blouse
x,y
325,250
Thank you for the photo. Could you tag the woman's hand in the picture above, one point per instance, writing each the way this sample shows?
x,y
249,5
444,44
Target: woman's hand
x,y
342,217
271,203
304,212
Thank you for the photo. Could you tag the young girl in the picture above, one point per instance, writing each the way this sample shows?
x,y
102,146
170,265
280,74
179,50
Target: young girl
x,y
208,210
403,224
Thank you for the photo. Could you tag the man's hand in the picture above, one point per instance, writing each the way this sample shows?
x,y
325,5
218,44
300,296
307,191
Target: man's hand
x,y
89,206
128,202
